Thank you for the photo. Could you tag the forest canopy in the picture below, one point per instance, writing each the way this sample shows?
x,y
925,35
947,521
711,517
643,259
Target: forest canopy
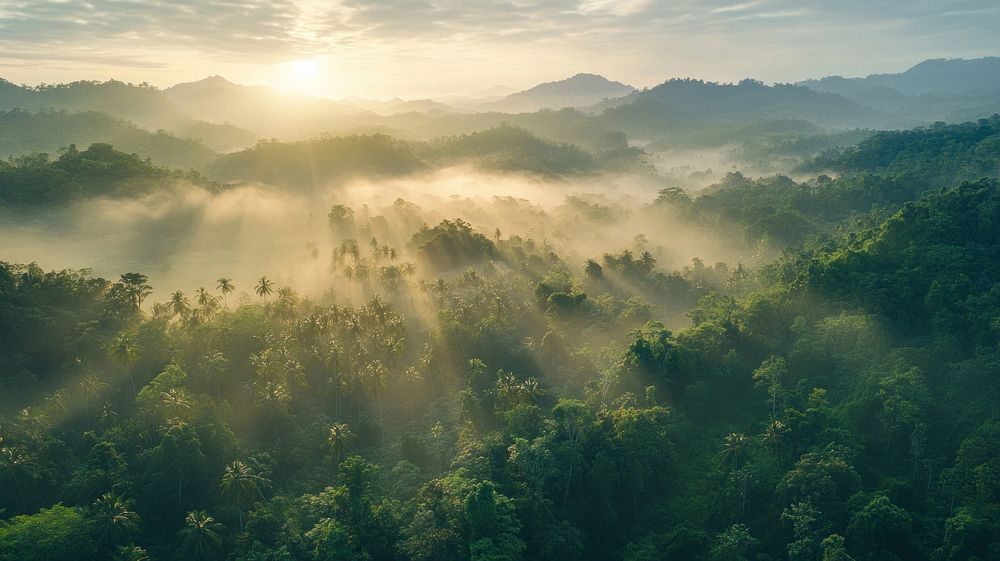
x,y
557,352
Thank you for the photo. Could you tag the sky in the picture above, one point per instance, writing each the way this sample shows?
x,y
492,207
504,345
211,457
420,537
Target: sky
x,y
430,48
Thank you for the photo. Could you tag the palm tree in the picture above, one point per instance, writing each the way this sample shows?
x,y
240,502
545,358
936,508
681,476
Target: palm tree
x,y
205,300
440,288
18,469
179,304
735,450
240,482
174,403
215,366
408,269
131,553
531,391
338,438
508,389
58,402
225,286
264,288
115,519
200,537
125,349
91,388
378,376
774,438
284,307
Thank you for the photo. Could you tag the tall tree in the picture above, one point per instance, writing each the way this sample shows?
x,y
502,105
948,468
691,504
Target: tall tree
x,y
338,438
241,483
19,470
264,288
124,350
225,286
200,538
115,520
179,304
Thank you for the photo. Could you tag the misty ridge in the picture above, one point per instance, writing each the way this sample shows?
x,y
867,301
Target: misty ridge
x,y
582,321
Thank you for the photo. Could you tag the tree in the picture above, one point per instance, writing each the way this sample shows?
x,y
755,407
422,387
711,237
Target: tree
x,y
179,304
264,289
200,538
834,549
92,388
19,470
734,544
571,416
130,553
225,286
338,438
137,287
56,533
770,374
881,531
206,300
593,269
241,483
494,530
736,450
175,403
773,439
115,521
124,350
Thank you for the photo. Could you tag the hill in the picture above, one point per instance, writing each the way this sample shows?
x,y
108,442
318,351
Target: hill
x,y
318,162
511,149
326,160
98,171
685,105
273,113
142,104
933,76
932,157
48,131
581,90
934,90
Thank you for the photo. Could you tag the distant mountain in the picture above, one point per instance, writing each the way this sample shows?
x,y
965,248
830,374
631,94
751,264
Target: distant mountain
x,y
678,106
398,105
140,103
270,112
581,90
934,90
933,76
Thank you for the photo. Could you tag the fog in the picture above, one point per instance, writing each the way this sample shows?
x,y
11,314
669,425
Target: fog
x,y
188,237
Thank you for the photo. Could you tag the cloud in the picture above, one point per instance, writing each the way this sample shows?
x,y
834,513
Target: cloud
x,y
418,47
219,29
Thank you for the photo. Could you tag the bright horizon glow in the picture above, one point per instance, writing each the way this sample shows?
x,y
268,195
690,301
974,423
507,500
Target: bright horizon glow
x,y
432,48
303,76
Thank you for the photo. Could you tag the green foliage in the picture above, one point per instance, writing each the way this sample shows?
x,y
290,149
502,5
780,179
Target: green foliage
x,y
98,171
838,403
58,533
317,163
452,243
932,157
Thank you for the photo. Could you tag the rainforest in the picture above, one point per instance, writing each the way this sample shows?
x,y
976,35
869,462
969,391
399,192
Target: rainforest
x,y
705,320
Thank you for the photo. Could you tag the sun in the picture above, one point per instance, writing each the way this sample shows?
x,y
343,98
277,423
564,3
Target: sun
x,y
303,73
